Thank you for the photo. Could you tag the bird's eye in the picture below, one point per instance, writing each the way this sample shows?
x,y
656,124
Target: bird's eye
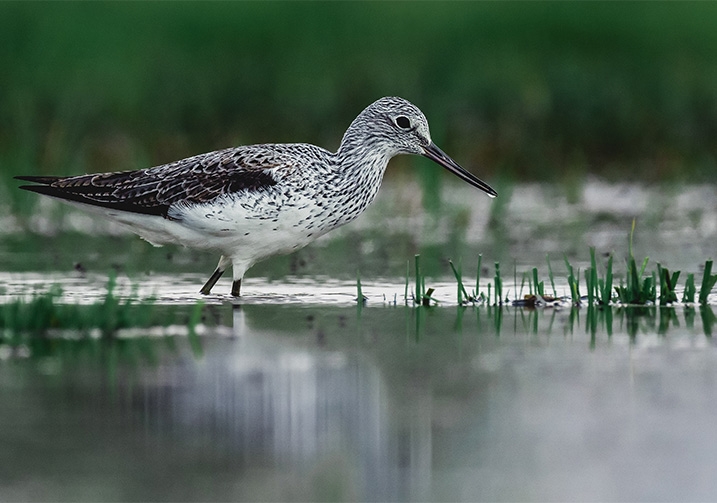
x,y
403,122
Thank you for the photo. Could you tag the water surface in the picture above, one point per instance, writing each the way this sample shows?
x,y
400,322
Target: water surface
x,y
387,403
298,392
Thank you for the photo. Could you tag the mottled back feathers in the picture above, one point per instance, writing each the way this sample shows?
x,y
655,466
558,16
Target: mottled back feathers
x,y
195,180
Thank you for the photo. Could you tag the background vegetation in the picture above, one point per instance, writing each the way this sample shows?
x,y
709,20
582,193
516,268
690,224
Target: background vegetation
x,y
534,91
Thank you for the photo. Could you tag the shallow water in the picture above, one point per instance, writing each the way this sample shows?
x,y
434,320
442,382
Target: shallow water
x,y
387,403
296,392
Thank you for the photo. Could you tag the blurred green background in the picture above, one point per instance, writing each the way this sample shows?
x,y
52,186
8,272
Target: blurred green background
x,y
528,91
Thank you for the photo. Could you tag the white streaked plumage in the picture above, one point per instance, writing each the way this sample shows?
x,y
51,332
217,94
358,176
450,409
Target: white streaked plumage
x,y
248,203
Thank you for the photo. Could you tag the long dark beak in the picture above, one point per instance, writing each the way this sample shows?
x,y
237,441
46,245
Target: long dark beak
x,y
439,156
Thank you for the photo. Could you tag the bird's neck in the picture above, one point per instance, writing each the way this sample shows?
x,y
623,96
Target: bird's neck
x,y
362,160
360,150
358,168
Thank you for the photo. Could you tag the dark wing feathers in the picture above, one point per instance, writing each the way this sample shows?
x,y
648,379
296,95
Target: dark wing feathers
x,y
37,179
152,191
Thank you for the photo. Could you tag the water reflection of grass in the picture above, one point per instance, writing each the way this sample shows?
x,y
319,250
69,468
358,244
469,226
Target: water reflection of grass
x,y
450,327
333,327
593,320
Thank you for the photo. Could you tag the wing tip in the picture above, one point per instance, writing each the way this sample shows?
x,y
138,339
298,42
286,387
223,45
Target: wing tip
x,y
42,180
72,197
32,188
42,189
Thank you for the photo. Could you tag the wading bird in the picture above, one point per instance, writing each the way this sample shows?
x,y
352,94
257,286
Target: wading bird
x,y
248,203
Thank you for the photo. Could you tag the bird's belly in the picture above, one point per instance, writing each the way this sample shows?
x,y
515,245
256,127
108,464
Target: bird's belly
x,y
245,229
255,230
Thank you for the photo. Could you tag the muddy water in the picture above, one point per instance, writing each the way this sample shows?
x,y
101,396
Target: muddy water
x,y
298,393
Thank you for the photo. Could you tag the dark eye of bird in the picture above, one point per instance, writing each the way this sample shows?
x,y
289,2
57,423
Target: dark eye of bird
x,y
403,122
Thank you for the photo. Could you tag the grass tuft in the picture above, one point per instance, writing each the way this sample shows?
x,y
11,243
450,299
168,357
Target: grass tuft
x,y
668,282
638,287
43,313
636,290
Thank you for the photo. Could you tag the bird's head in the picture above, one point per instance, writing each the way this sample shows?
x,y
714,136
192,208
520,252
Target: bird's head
x,y
397,126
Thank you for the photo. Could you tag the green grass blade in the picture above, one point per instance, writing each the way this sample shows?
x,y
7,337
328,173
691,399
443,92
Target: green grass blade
x,y
480,259
419,293
591,287
461,294
607,285
572,282
690,290
359,292
644,266
405,291
498,285
592,278
539,285
632,231
708,282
